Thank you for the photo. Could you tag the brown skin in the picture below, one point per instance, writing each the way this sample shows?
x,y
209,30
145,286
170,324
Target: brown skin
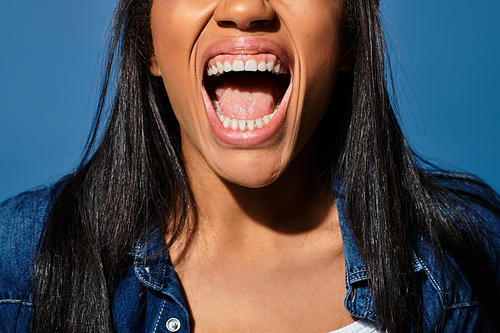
x,y
266,254
272,263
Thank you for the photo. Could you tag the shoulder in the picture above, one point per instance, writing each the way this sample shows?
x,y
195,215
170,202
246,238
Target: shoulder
x,y
23,214
467,195
474,208
471,242
472,198
21,221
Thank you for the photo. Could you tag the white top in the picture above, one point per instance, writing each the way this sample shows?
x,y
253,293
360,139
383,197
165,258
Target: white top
x,y
359,326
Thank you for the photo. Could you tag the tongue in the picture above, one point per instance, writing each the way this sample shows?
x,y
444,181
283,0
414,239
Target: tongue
x,y
247,96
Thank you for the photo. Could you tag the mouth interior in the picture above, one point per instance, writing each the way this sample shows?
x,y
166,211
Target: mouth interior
x,y
247,95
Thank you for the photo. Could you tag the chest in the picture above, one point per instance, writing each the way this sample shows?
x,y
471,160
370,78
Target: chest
x,y
286,298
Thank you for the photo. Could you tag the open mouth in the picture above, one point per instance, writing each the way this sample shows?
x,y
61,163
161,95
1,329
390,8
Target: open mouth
x,y
246,90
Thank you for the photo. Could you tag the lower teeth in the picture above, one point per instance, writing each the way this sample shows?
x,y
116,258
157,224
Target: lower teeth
x,y
244,124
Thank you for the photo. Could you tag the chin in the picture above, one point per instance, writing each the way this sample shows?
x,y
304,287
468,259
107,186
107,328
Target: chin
x,y
248,182
255,175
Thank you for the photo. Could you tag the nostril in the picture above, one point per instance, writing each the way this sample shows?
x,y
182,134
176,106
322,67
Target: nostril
x,y
251,25
227,24
260,22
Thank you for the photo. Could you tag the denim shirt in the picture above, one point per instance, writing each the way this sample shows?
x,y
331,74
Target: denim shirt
x,y
148,296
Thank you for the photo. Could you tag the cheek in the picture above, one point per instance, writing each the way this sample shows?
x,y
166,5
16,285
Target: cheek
x,y
172,45
165,29
176,25
321,48
318,28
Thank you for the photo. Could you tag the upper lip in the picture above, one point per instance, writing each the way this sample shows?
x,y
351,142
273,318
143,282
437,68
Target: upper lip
x,y
245,45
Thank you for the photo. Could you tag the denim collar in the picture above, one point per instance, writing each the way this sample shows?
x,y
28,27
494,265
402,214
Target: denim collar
x,y
354,261
153,268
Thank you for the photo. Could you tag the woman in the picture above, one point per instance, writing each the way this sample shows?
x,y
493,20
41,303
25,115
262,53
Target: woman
x,y
251,177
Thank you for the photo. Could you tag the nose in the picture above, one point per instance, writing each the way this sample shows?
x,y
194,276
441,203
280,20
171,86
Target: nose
x,y
244,14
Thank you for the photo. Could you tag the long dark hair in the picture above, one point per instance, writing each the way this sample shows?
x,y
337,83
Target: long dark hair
x,y
134,174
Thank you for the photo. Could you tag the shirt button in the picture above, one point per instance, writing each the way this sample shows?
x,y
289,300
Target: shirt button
x,y
173,324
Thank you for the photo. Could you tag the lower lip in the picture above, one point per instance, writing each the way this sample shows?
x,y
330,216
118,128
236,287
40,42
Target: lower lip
x,y
247,137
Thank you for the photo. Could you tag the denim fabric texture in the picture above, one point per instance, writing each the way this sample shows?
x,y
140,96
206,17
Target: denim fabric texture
x,y
148,296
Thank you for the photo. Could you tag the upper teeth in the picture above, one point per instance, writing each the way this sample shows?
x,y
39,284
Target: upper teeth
x,y
248,66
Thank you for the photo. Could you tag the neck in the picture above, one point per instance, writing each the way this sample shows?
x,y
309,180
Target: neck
x,y
297,203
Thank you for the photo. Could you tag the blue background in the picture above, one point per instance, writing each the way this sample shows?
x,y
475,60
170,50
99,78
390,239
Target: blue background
x,y
445,56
